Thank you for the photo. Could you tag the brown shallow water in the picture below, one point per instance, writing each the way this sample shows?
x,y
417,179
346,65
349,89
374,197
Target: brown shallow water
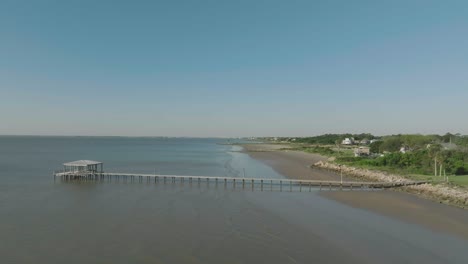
x,y
409,208
128,223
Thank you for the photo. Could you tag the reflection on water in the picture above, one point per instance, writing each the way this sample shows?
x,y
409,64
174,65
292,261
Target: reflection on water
x,y
225,183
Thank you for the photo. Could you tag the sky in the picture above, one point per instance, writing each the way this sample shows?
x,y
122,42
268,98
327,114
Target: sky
x,y
233,68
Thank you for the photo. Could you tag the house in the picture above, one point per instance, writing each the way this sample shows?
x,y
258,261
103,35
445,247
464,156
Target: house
x,y
348,141
364,142
404,149
361,151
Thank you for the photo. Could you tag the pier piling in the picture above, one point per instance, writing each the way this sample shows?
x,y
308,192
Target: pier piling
x,y
180,180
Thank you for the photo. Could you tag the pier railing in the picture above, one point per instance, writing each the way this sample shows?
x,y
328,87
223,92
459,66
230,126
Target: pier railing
x,y
239,182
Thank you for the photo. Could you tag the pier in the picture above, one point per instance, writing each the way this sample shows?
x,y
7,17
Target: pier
x,y
86,170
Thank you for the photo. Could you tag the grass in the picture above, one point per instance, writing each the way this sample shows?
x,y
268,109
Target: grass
x,y
345,153
330,150
421,177
325,150
459,180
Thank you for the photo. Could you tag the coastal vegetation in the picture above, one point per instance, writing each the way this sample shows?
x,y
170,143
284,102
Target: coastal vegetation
x,y
328,139
414,156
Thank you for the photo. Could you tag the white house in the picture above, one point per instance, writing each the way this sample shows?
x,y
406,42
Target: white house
x,y
348,141
404,149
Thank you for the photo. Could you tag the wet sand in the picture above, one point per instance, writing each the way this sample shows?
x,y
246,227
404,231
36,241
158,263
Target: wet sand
x,y
290,163
408,208
397,205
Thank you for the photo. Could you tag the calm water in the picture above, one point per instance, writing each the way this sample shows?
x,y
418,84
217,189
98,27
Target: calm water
x,y
46,222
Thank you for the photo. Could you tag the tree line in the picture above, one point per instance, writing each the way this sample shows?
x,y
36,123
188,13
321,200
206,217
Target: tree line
x,y
414,153
425,154
328,139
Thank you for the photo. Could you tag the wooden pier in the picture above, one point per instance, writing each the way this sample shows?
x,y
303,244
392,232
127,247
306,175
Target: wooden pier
x,y
231,181
86,170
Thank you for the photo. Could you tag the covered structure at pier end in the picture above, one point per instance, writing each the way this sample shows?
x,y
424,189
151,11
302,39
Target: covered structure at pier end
x,y
83,166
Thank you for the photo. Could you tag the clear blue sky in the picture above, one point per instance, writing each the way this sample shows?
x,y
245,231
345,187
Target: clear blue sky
x,y
233,68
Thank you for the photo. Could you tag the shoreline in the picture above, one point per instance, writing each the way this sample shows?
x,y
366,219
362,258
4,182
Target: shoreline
x,y
292,164
400,205
438,193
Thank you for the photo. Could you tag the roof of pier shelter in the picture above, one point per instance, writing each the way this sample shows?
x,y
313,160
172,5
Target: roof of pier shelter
x,y
82,163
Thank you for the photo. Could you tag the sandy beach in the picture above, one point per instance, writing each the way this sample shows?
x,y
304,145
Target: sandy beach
x,y
405,207
290,163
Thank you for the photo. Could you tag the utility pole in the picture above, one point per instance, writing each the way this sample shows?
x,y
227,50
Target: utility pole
x,y
341,173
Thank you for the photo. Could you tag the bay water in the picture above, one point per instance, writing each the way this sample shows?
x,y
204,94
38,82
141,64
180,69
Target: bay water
x,y
47,221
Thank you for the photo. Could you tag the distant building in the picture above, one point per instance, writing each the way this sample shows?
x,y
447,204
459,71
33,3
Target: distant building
x,y
374,140
361,151
364,142
348,141
404,149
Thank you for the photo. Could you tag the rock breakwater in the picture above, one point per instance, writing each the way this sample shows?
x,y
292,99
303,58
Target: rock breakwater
x,y
440,192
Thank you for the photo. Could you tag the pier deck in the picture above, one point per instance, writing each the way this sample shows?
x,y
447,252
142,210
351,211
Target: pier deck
x,y
156,178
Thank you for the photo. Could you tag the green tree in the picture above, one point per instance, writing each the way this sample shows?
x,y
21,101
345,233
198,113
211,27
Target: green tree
x,y
391,144
375,146
415,142
447,137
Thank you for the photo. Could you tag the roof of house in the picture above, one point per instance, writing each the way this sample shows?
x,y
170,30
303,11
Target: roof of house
x,y
82,163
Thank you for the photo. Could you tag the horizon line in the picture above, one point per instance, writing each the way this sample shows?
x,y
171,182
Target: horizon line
x,y
232,137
